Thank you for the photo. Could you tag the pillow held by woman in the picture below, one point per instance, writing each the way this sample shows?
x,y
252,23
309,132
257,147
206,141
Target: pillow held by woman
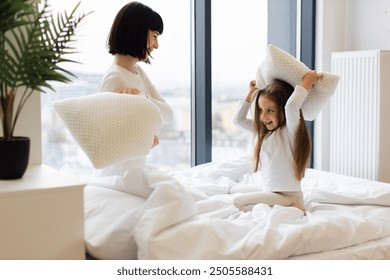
x,y
111,127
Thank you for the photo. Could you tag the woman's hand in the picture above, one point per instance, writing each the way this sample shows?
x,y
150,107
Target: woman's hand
x,y
133,91
252,89
156,141
310,79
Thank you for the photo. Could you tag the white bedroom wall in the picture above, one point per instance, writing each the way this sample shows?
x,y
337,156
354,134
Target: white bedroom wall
x,y
29,124
367,24
345,25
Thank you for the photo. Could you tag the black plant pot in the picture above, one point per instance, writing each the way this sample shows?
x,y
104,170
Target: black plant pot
x,y
14,155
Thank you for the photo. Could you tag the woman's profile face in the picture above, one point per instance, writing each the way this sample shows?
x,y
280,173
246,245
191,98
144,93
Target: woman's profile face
x,y
152,42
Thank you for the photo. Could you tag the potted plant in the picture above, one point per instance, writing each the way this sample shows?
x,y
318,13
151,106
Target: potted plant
x,y
32,45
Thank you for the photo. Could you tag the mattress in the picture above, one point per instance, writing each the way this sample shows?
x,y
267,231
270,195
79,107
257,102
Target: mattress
x,y
190,215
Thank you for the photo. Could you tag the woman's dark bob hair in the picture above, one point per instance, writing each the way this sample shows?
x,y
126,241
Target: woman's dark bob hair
x,y
129,31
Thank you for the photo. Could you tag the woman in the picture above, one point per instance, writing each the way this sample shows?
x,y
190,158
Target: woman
x,y
132,39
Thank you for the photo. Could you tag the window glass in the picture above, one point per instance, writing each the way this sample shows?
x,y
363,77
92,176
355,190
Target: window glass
x,y
239,40
169,71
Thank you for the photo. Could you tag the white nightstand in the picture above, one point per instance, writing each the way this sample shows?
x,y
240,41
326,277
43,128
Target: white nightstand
x,y
42,216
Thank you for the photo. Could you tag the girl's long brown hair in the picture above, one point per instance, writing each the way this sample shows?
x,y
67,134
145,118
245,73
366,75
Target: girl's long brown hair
x,y
279,91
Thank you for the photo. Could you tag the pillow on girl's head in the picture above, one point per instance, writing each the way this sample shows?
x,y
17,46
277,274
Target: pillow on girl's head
x,y
111,127
279,64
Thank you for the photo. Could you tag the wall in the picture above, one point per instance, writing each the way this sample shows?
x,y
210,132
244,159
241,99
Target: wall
x,y
345,25
367,24
29,125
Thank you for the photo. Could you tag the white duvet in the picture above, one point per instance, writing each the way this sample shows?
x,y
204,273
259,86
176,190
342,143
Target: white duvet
x,y
190,215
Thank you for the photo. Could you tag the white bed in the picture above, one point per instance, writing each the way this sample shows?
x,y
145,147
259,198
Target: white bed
x,y
190,215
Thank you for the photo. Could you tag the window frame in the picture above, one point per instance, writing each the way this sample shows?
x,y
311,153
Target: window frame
x,y
201,89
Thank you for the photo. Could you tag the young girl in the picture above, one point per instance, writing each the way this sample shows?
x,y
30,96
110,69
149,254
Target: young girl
x,y
282,147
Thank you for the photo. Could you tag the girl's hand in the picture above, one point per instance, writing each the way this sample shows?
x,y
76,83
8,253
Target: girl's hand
x,y
252,89
252,85
133,91
310,79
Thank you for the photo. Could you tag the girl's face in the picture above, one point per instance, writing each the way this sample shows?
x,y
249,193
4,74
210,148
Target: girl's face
x,y
268,113
152,40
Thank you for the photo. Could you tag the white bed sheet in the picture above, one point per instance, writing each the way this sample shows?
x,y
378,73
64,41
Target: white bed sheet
x,y
190,215
378,249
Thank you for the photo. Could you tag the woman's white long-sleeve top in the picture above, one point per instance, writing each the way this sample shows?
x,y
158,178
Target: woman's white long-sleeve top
x,y
117,78
276,160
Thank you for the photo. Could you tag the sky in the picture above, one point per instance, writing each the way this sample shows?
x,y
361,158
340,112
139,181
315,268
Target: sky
x,y
239,37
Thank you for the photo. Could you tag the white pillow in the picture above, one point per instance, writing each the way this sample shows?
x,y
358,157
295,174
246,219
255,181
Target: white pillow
x,y
111,127
279,64
109,220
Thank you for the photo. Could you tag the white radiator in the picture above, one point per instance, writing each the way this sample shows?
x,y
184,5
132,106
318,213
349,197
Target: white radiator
x,y
360,115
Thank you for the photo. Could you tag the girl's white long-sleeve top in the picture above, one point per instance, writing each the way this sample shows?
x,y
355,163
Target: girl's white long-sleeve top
x,y
276,160
117,78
